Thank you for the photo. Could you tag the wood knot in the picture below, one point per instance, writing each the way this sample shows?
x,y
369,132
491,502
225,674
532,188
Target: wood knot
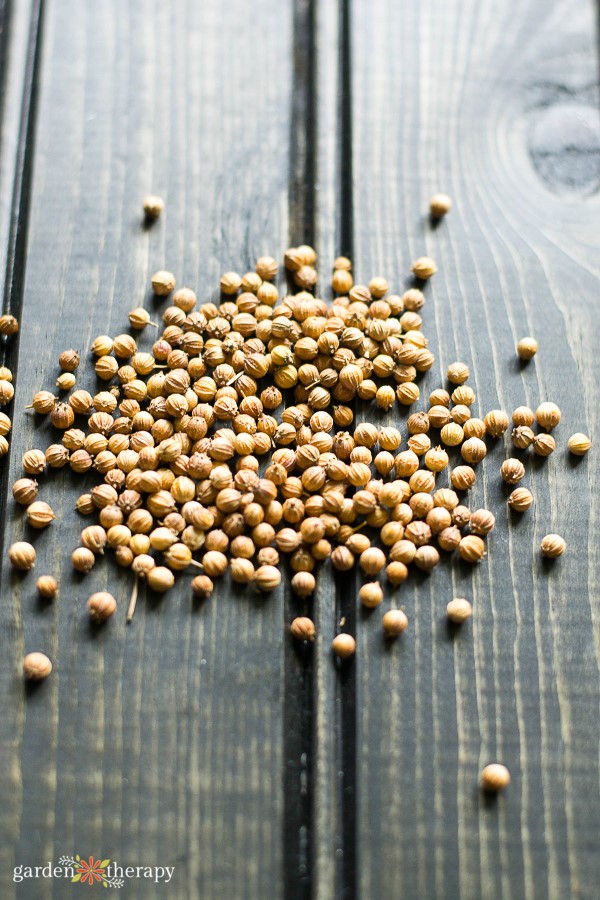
x,y
564,145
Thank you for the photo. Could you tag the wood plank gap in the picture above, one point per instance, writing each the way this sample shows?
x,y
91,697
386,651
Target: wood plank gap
x,y
346,583
6,8
299,702
14,282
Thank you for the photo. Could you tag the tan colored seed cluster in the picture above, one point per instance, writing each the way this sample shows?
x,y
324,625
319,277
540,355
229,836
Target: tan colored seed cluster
x,y
231,442
8,327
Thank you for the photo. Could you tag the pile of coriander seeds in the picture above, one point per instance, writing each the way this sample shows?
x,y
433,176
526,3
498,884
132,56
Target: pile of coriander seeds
x,y
230,442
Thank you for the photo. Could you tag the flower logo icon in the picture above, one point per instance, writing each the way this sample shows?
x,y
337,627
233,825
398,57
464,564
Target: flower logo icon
x,y
90,871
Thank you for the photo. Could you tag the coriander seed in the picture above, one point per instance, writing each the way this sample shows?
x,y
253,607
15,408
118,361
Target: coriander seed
x,y
496,423
462,478
153,206
83,560
47,587
579,444
423,268
163,283
303,583
371,594
39,514
548,416
230,283
25,491
471,549
66,381
22,556
520,500
553,546
543,444
394,622
343,646
36,666
495,777
527,348
523,416
397,571
482,521
439,206
303,629
101,606
8,325
522,437
160,579
459,610
457,373
202,586
473,450
69,360
267,578
512,471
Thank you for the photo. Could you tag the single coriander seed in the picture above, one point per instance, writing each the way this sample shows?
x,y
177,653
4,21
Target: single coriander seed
x,y
471,549
343,646
439,205
101,606
495,777
512,470
163,283
39,514
371,594
153,206
202,586
459,610
522,415
521,499
527,348
579,444
553,546
25,491
22,556
543,444
548,416
394,622
423,268
458,373
69,360
36,666
47,587
303,629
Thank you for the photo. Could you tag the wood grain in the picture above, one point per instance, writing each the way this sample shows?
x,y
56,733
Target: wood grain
x,y
161,743
450,97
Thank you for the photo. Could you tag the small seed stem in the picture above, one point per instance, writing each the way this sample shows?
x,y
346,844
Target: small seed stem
x,y
134,596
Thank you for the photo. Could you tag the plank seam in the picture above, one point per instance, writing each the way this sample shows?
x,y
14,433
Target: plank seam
x,y
14,283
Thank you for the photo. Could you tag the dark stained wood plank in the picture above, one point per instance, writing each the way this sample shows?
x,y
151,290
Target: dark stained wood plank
x,y
498,107
161,743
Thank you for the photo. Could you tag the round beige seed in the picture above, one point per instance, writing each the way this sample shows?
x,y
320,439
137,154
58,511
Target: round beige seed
x,y
553,546
579,444
394,622
36,666
344,646
495,777
459,610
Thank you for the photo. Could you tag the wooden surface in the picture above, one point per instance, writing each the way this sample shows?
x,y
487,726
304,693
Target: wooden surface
x,y
200,737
